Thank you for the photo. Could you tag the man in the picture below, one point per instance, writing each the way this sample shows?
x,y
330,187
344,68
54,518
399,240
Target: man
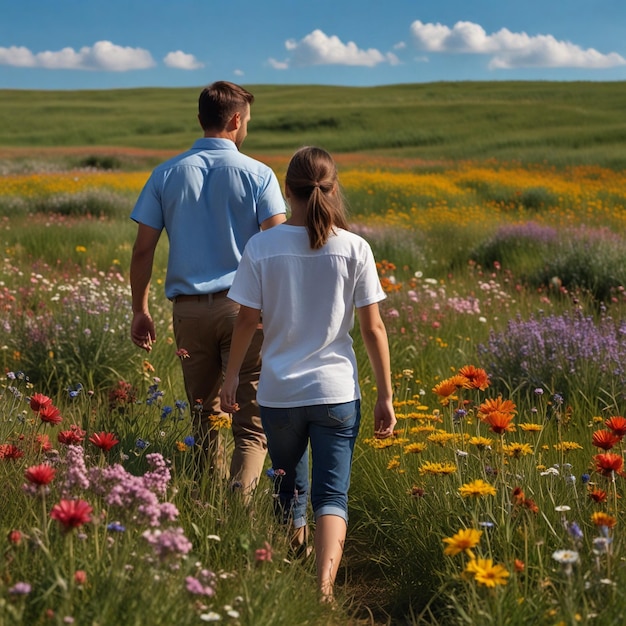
x,y
210,200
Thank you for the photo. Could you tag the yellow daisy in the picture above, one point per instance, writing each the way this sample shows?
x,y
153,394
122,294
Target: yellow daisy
x,y
463,541
477,489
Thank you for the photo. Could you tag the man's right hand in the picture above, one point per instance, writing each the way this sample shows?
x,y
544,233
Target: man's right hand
x,y
142,331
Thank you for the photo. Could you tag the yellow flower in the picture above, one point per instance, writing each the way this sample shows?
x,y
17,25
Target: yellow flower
x,y
486,573
517,449
219,421
415,448
480,442
378,444
394,463
567,446
463,541
477,489
437,468
441,437
81,249
427,428
529,427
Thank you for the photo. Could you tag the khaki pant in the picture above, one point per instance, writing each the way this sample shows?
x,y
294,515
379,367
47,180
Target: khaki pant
x,y
203,327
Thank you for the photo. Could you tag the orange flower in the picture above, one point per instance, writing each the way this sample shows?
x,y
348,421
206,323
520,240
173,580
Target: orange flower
x,y
518,495
617,424
604,439
603,519
598,495
478,377
608,463
519,566
447,387
499,422
497,404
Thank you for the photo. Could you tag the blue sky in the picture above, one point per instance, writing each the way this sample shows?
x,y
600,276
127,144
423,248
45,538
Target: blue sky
x,y
86,44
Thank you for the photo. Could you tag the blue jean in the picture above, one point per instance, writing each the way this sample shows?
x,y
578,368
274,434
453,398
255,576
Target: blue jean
x,y
331,430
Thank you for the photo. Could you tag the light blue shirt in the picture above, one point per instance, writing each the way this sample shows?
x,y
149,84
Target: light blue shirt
x,y
210,200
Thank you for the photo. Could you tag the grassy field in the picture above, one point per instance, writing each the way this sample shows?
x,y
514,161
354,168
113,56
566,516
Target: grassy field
x,y
561,123
497,215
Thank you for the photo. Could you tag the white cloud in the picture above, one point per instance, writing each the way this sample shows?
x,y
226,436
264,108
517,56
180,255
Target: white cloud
x,y
181,61
238,72
317,48
103,55
507,49
278,65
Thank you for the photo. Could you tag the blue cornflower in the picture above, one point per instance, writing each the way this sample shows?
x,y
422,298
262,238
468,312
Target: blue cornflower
x,y
459,414
165,411
585,478
557,398
141,444
574,530
189,441
270,473
116,527
181,405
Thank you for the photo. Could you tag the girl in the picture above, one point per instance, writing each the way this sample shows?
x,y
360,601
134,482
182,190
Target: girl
x,y
307,276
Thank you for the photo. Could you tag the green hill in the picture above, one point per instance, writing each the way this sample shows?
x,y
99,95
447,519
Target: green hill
x,y
559,122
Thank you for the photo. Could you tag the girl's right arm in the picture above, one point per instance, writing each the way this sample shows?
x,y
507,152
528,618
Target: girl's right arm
x,y
245,326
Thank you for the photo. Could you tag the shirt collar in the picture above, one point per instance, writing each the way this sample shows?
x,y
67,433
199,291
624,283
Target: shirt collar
x,y
214,143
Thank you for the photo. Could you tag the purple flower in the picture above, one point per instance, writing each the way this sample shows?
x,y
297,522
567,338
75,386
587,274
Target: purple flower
x,y
20,589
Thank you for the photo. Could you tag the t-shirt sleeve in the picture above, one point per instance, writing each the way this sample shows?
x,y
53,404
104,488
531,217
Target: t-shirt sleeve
x,y
246,287
368,289
270,201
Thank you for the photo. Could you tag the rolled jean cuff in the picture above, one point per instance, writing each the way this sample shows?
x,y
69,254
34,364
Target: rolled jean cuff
x,y
299,522
329,509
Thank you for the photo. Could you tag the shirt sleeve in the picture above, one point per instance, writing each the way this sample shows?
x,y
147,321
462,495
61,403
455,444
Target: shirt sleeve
x,y
148,208
270,201
246,288
368,289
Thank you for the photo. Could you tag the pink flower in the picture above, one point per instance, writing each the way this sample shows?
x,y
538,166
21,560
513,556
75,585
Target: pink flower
x,y
264,554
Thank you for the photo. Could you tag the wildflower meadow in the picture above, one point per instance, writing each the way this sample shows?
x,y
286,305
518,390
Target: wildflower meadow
x,y
500,499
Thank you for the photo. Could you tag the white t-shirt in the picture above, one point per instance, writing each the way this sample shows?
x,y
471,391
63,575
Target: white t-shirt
x,y
307,298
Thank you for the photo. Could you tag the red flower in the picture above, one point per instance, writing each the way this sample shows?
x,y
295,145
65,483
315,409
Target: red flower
x,y
40,474
598,495
71,437
38,401
617,424
15,537
608,463
103,440
80,576
9,451
50,414
71,513
604,439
